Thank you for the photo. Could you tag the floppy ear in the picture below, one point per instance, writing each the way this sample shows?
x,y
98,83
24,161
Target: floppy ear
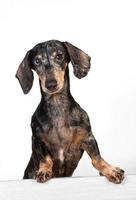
x,y
24,74
79,59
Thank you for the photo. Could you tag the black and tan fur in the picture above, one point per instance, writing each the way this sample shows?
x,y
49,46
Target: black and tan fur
x,y
61,128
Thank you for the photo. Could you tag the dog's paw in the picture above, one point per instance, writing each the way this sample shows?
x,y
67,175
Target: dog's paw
x,y
115,175
42,177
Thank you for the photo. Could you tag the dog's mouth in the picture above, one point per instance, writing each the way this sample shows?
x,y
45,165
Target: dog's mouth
x,y
53,90
51,87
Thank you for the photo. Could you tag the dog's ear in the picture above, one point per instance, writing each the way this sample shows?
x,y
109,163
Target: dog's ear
x,y
80,60
24,74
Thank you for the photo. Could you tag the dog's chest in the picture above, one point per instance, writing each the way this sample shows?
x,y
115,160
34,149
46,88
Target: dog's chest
x,y
62,139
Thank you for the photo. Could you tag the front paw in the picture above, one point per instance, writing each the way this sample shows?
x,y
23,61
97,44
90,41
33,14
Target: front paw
x,y
42,177
114,174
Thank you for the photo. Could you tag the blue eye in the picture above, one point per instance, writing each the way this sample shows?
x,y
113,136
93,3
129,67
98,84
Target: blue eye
x,y
37,61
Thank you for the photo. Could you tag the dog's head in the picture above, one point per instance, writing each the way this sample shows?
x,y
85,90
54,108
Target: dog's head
x,y
50,60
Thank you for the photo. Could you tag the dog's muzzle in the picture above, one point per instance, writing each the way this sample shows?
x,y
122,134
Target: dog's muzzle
x,y
51,85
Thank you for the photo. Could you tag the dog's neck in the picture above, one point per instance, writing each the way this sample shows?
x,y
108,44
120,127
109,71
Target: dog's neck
x,y
58,103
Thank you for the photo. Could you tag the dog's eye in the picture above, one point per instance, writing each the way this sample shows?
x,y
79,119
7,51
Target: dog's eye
x,y
59,56
37,61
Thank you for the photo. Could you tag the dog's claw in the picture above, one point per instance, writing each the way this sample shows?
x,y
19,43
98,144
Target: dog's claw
x,y
101,174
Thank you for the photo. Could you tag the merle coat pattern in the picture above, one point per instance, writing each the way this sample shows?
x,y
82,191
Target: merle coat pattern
x,y
61,129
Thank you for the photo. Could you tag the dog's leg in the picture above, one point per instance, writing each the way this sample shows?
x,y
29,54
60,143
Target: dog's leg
x,y
44,172
113,174
42,160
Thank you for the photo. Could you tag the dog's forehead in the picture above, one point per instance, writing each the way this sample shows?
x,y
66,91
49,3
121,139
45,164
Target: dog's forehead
x,y
49,47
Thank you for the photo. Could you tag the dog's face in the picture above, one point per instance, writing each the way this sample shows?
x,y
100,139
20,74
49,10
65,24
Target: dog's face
x,y
50,60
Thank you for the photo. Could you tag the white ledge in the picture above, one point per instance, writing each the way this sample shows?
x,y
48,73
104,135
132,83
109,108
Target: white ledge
x,y
75,188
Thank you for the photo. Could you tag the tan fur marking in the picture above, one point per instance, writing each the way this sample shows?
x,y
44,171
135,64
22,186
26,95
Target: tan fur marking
x,y
46,165
59,76
79,136
100,164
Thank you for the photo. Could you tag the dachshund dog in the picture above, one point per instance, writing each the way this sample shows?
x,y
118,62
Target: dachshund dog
x,y
61,129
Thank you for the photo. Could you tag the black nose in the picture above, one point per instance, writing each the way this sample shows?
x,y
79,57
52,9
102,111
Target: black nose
x,y
51,84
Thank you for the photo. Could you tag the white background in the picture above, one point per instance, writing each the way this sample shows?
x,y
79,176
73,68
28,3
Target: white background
x,y
106,30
